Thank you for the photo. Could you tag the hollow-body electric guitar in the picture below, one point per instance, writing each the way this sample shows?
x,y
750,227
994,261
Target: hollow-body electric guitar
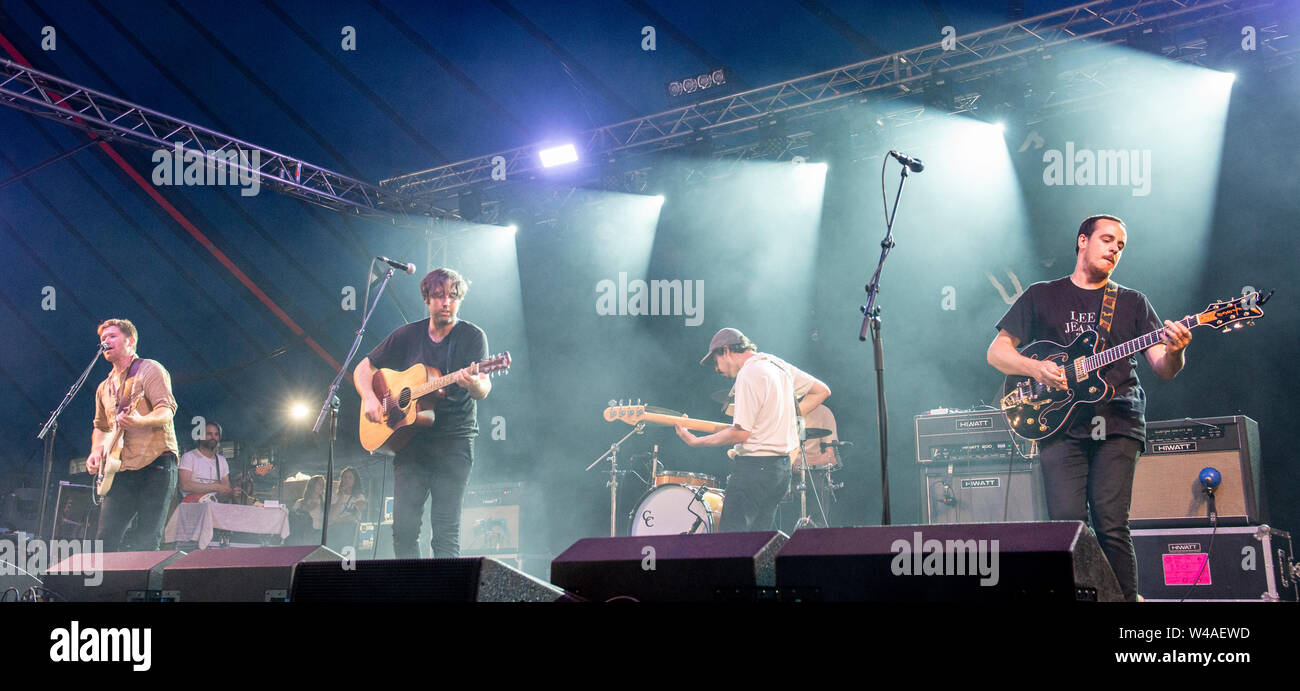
x,y
1037,412
399,396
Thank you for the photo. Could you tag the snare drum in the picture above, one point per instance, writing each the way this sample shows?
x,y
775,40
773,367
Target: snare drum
x,y
675,510
677,477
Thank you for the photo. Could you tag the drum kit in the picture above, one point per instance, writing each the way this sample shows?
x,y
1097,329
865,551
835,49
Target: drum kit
x,y
679,502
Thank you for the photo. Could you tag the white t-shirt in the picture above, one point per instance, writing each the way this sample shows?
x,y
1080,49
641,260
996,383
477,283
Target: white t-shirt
x,y
203,469
765,406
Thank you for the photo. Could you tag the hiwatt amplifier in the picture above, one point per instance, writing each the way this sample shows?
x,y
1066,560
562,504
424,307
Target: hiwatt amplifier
x,y
973,469
1166,488
967,436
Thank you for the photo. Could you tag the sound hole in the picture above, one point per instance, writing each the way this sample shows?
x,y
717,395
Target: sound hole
x,y
404,398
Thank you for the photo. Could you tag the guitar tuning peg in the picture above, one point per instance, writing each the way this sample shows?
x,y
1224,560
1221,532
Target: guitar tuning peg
x,y
613,403
638,401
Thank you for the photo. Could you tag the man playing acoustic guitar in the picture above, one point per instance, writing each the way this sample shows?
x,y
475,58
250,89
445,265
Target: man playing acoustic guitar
x,y
435,461
136,396
1088,468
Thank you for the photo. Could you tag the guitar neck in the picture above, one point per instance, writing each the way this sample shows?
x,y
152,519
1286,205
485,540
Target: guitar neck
x,y
433,385
688,423
1137,345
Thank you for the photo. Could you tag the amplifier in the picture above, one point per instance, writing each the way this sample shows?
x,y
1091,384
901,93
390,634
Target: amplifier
x,y
958,436
982,493
1166,491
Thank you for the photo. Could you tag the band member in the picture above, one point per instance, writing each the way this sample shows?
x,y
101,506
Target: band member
x,y
764,431
202,470
435,463
1088,469
137,395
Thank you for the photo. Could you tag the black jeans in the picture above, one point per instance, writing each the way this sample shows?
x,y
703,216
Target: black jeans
x,y
1087,478
755,486
438,470
143,495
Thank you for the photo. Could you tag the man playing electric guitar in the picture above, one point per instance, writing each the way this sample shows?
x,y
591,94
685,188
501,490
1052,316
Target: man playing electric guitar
x,y
136,396
435,461
205,471
1088,468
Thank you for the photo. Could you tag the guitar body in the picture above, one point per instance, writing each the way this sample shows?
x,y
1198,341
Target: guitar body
x,y
1037,412
110,464
402,411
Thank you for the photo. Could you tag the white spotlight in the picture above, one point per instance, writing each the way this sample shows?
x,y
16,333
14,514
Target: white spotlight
x,y
558,155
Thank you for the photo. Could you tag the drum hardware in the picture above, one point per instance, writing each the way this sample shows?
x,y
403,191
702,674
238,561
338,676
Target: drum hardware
x,y
614,472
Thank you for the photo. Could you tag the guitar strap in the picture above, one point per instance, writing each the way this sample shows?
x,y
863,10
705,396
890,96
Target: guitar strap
x,y
1107,313
124,402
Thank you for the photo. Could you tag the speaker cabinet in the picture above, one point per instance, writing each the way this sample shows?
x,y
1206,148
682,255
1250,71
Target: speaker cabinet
x,y
982,492
670,568
255,574
110,576
1166,490
1047,561
467,579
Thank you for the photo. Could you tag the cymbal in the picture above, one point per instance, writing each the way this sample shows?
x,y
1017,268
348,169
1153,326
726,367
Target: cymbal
x,y
817,432
721,396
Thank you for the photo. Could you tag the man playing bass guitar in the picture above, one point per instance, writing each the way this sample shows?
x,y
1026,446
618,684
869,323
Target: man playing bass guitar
x,y
1088,466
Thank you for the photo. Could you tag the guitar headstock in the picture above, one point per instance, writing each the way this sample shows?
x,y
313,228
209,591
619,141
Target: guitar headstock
x,y
497,364
1227,315
631,414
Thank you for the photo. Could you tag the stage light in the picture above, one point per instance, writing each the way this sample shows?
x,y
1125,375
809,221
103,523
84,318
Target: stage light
x,y
659,199
298,411
512,228
1001,127
699,82
558,155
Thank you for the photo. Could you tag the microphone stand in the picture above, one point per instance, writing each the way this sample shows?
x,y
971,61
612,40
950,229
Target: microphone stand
x,y
871,319
47,433
331,405
614,472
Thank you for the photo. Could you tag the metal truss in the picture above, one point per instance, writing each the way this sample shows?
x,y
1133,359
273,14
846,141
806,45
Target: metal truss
x,y
931,70
114,119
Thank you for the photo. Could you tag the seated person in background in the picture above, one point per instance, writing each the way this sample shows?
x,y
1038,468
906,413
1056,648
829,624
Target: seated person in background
x,y
347,508
307,513
203,471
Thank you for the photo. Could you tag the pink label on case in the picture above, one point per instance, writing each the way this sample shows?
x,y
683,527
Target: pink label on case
x,y
1181,569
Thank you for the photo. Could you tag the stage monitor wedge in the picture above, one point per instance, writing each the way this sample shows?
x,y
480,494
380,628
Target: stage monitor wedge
x,y
671,568
972,562
467,579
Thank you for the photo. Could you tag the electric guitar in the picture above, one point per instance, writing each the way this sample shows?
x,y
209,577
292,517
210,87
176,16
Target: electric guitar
x,y
399,396
200,497
1036,411
111,460
633,414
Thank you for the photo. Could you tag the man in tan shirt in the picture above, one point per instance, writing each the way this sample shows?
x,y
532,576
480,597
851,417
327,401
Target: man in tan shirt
x,y
136,395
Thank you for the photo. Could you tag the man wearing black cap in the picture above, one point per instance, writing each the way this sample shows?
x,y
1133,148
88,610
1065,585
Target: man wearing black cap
x,y
763,432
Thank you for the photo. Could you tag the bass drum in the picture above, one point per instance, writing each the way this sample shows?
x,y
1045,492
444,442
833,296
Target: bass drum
x,y
676,510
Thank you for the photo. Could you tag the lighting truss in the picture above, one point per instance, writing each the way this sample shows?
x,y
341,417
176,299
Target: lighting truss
x,y
115,120
972,57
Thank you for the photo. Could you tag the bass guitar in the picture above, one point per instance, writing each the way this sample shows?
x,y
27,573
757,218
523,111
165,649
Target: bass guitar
x,y
633,414
1035,411
399,395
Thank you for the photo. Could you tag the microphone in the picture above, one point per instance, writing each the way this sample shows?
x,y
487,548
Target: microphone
x,y
913,164
699,520
837,444
1210,479
403,266
103,347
